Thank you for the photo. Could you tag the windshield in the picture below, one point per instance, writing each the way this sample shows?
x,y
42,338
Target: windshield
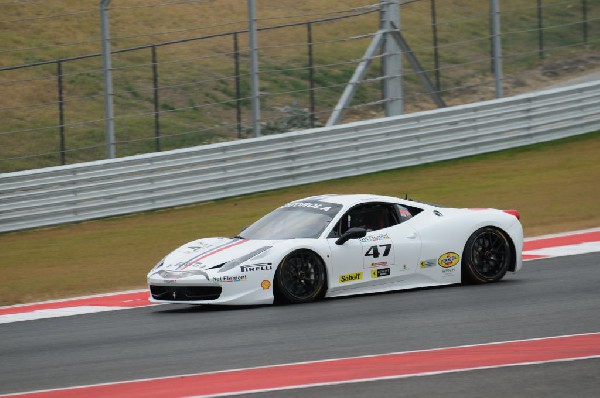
x,y
306,219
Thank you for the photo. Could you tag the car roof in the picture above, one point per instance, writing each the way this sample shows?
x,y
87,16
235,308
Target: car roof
x,y
350,200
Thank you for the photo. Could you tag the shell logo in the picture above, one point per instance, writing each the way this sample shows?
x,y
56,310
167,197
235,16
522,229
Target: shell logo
x,y
265,284
448,260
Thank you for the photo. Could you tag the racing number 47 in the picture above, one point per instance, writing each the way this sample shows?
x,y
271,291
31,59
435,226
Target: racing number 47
x,y
374,251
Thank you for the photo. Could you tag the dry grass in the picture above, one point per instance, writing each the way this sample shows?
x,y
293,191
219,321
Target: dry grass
x,y
554,186
195,78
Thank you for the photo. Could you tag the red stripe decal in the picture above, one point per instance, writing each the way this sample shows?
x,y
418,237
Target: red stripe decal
x,y
396,365
215,252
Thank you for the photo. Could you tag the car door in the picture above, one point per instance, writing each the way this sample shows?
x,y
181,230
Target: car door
x,y
387,251
346,263
407,250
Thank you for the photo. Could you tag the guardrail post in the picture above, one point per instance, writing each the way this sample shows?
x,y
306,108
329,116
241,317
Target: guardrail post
x,y
61,113
109,122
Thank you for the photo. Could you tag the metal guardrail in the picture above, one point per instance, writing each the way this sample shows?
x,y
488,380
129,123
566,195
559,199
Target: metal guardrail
x,y
84,191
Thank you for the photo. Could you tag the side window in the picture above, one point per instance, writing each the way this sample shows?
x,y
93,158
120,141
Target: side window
x,y
404,212
407,212
372,216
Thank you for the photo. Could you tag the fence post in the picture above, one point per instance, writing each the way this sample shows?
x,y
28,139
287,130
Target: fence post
x,y
311,75
540,22
109,122
155,92
61,113
392,60
238,89
436,56
585,20
497,46
254,69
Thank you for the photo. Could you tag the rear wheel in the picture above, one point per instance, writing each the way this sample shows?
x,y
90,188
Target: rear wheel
x,y
300,277
487,256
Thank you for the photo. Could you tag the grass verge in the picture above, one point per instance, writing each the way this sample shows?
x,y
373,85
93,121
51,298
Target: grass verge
x,y
554,186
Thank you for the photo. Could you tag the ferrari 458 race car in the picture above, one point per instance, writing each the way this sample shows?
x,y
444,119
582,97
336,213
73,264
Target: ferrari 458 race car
x,y
340,245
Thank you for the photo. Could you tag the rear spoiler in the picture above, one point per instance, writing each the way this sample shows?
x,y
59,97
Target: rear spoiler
x,y
513,212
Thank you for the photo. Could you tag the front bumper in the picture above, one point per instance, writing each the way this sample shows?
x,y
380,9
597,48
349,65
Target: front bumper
x,y
185,293
257,289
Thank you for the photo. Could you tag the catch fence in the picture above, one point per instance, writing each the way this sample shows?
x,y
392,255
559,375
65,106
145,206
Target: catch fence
x,y
195,90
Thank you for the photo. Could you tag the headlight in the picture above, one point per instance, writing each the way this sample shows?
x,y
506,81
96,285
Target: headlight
x,y
181,274
234,263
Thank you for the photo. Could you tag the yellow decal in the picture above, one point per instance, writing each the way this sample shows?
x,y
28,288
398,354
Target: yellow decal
x,y
351,277
448,260
265,284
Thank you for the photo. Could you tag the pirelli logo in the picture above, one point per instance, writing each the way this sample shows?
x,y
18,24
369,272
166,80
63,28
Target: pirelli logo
x,y
357,276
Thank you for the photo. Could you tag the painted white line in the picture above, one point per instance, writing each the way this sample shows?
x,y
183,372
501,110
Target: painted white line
x,y
56,313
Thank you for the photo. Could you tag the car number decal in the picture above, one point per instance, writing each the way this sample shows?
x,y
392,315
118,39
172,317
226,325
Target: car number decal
x,y
375,253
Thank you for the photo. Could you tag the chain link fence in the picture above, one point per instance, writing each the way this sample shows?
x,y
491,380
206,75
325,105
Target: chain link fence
x,y
181,71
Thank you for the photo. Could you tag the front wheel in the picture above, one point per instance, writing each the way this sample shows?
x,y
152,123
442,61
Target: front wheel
x,y
300,277
487,256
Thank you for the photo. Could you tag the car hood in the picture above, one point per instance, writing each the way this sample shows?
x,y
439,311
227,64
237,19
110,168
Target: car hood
x,y
212,252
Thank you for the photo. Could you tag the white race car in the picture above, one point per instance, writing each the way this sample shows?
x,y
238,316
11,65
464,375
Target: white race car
x,y
340,245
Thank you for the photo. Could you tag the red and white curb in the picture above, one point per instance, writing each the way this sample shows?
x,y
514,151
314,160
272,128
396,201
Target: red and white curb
x,y
329,372
578,242
75,306
565,244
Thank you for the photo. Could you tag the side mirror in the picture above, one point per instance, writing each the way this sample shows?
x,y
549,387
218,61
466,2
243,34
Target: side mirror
x,y
352,233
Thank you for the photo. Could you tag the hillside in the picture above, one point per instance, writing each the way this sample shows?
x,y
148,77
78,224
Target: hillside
x,y
196,81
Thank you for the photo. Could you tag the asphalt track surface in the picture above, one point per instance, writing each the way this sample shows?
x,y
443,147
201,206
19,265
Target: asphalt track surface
x,y
549,297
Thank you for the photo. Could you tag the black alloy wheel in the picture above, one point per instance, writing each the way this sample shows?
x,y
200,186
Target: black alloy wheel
x,y
300,277
487,256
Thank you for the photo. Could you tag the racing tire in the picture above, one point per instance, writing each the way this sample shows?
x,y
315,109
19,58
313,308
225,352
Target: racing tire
x,y
300,278
487,256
